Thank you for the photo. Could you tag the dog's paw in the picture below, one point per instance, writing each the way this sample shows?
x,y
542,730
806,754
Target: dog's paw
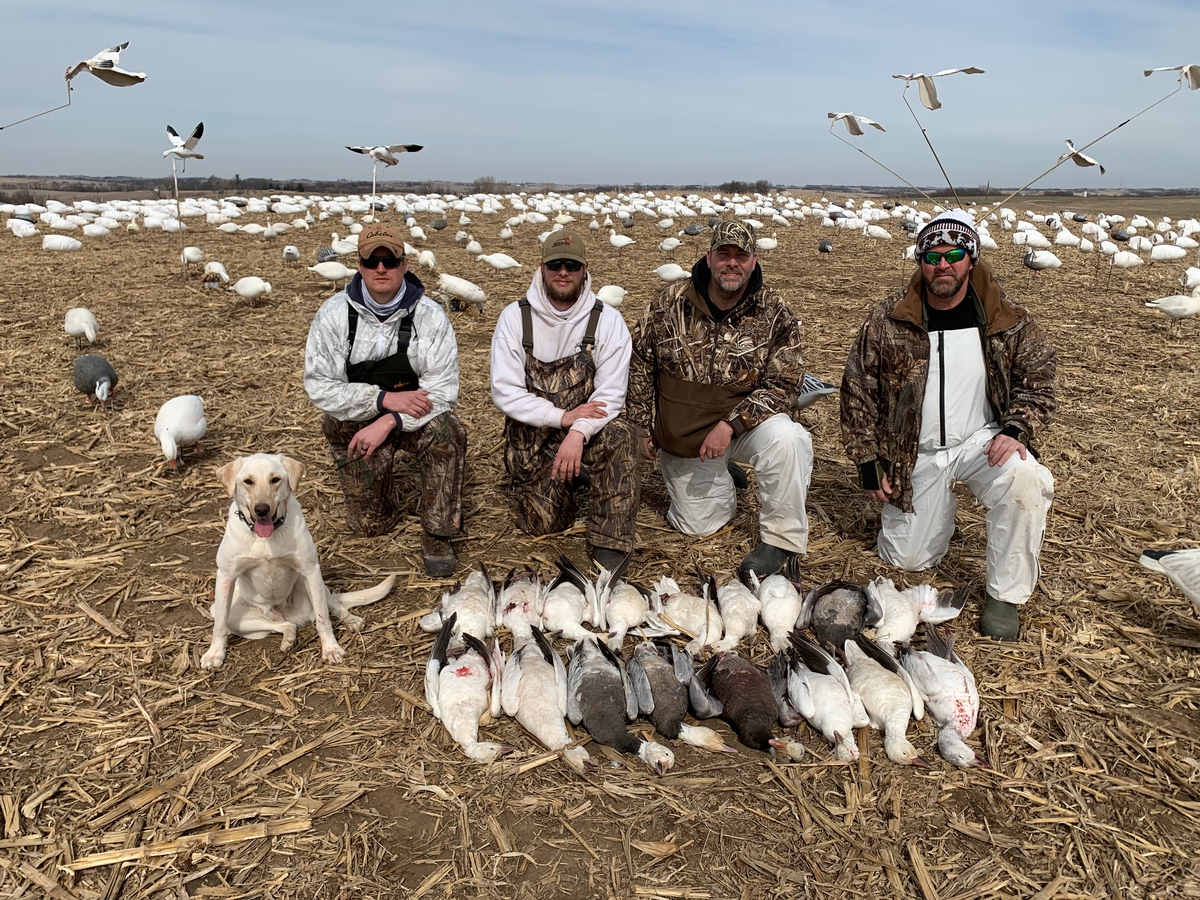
x,y
288,641
212,659
333,654
352,622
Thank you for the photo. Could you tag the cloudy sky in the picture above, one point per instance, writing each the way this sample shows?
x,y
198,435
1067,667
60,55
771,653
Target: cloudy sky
x,y
606,92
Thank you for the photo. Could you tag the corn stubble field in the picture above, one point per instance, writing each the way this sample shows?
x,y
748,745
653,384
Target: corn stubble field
x,y
127,771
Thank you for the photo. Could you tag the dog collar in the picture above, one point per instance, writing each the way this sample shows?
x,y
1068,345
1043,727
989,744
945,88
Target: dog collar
x,y
274,524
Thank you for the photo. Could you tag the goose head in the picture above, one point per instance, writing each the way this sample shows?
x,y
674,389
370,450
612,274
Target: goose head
x,y
656,756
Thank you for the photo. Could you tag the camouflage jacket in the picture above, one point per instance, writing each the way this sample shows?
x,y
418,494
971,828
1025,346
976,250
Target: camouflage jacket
x,y
688,371
883,385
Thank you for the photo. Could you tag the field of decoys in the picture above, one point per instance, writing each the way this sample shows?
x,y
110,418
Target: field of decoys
x,y
534,727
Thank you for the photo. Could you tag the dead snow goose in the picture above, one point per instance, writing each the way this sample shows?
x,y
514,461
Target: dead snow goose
x,y
889,696
947,688
459,694
819,689
534,692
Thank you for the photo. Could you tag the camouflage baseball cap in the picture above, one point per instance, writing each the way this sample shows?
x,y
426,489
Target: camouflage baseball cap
x,y
564,244
739,234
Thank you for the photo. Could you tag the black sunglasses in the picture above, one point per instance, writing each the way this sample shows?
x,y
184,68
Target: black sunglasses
x,y
932,257
557,265
389,262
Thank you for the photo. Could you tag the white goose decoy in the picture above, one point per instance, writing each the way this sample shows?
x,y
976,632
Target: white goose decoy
x,y
81,323
819,689
660,674
669,245
947,688
601,698
1167,253
878,232
929,96
459,694
611,295
426,259
1038,260
1182,567
739,608
417,233
781,604
1178,307
462,290
105,66
506,233
387,153
1188,74
619,241
1078,157
901,611
1125,260
185,149
499,261
341,246
473,246
471,604
291,253
854,123
1190,279
191,256
766,244
180,421
214,275
889,696
534,692
333,271
250,288
698,616
671,272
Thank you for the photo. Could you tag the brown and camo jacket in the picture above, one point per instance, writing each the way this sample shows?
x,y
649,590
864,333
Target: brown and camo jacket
x,y
883,387
756,346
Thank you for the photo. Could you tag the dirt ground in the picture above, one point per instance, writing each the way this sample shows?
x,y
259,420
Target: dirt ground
x,y
127,771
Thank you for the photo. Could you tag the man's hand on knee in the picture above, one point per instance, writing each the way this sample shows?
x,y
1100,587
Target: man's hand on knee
x,y
1001,447
568,460
367,440
716,442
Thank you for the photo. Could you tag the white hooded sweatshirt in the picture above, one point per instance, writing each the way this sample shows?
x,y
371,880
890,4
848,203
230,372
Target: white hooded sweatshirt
x,y
556,335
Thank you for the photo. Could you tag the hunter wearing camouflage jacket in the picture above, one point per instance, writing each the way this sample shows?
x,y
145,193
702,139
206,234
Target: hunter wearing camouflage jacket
x,y
691,370
688,371
884,382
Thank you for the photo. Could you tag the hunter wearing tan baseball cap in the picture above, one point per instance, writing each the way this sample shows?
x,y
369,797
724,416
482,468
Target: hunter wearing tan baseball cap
x,y
378,235
564,245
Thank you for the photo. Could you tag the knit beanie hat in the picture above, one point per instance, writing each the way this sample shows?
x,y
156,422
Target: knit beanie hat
x,y
955,227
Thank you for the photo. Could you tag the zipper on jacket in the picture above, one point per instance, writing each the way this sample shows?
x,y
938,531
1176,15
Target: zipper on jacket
x,y
942,383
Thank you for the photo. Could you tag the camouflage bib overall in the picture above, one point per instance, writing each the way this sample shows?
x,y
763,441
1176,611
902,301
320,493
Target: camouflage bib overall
x,y
545,505
373,500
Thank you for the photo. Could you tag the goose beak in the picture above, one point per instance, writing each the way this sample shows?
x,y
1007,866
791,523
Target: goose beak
x,y
920,762
981,763
661,767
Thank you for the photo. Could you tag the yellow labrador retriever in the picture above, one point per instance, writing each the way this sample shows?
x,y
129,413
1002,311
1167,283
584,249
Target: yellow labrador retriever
x,y
268,577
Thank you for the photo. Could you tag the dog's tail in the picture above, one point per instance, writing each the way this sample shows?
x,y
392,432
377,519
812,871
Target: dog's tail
x,y
351,599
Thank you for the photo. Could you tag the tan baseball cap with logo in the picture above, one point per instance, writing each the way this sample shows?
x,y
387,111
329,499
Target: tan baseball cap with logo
x,y
376,235
564,245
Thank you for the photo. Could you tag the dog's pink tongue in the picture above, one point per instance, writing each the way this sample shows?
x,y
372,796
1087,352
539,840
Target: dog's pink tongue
x,y
264,527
